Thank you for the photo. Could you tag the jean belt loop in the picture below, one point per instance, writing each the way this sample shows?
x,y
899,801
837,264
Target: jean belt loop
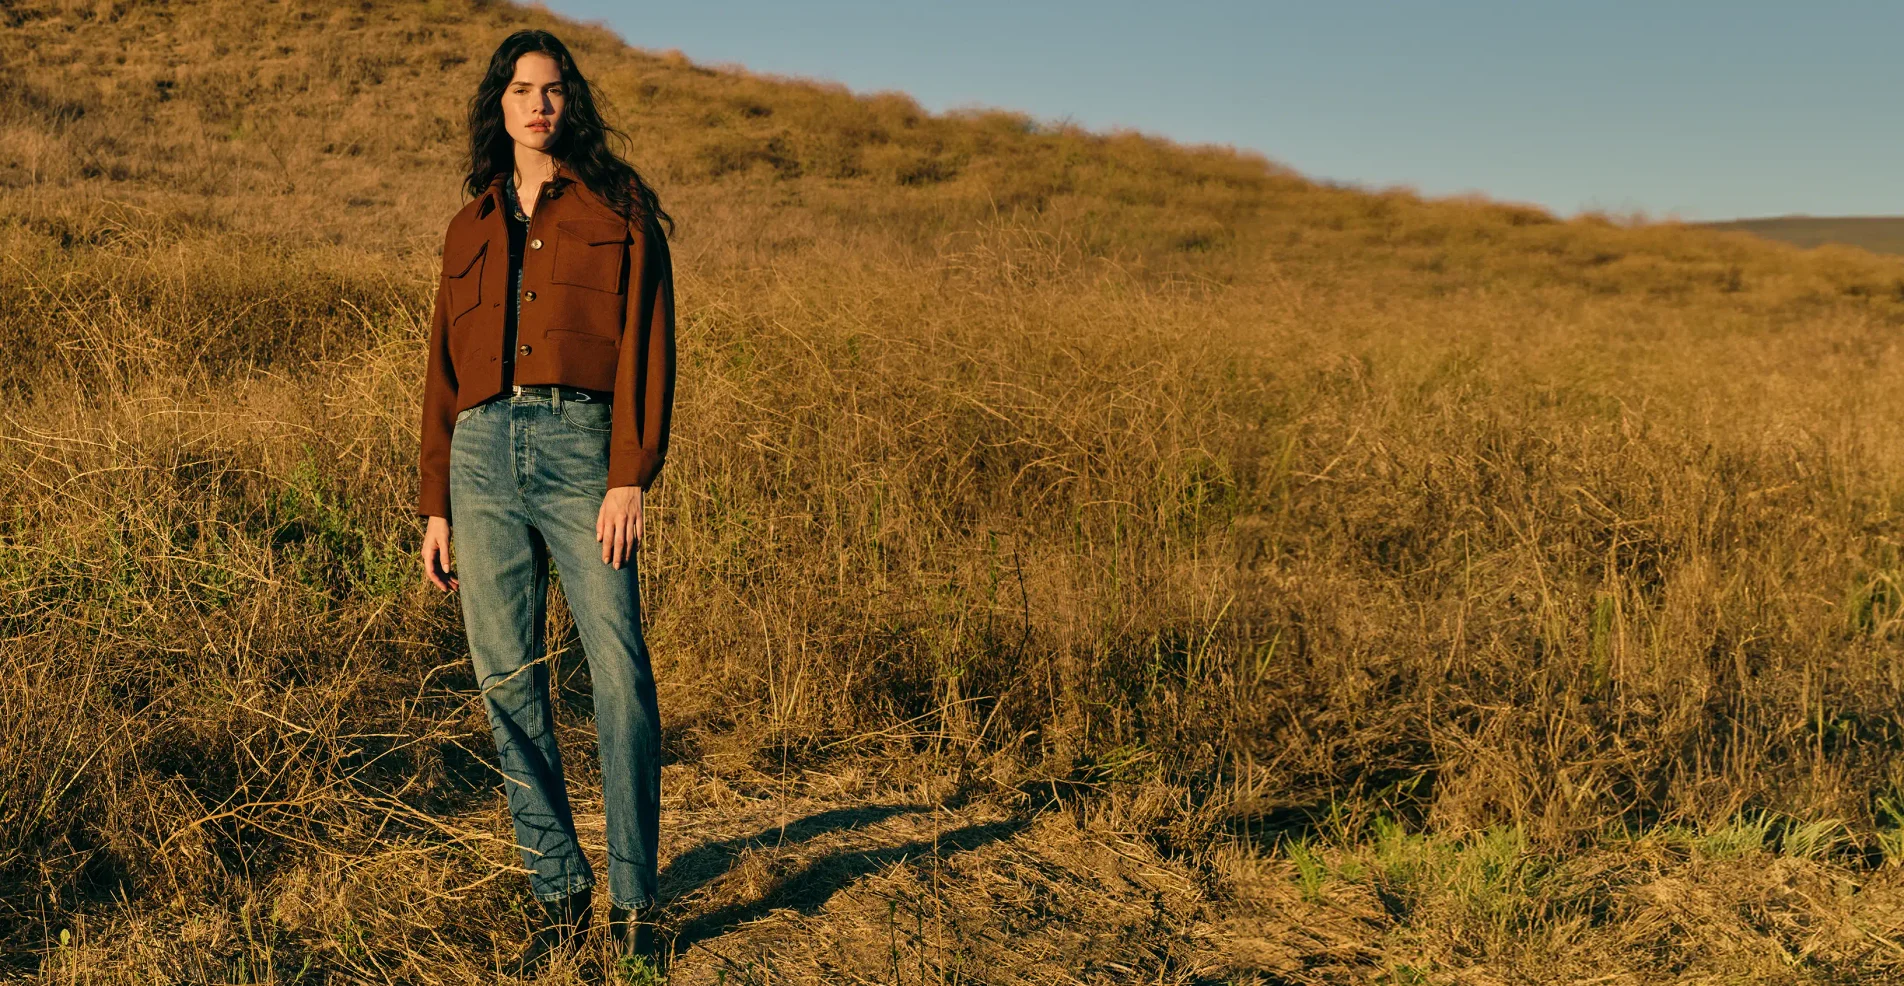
x,y
555,394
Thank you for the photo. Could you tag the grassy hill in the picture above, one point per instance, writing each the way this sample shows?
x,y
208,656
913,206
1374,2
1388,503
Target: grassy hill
x,y
1082,557
1878,234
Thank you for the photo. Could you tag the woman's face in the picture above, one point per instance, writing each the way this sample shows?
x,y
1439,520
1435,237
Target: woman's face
x,y
532,102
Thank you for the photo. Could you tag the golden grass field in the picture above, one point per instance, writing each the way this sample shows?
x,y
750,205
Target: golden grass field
x,y
1082,558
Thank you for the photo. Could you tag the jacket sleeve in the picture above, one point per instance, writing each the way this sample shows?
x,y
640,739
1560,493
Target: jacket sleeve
x,y
439,411
644,374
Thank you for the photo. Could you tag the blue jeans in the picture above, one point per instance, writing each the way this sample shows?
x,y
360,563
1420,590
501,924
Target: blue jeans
x,y
527,477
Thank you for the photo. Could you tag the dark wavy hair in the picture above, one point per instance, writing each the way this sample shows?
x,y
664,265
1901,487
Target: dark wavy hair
x,y
582,142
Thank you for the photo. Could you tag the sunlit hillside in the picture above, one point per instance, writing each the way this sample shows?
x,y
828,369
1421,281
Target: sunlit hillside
x,y
1081,558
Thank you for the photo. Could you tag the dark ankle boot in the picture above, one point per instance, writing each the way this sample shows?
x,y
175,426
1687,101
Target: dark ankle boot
x,y
631,935
559,931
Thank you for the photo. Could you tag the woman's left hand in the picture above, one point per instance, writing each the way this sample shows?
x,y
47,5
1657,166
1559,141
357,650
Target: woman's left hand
x,y
618,526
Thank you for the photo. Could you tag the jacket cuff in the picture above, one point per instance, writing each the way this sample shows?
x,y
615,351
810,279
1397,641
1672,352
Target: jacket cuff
x,y
434,501
637,469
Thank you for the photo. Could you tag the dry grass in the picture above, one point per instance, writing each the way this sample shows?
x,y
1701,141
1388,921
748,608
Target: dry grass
x,y
1083,558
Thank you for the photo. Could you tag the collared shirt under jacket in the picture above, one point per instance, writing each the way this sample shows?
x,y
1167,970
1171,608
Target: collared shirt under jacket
x,y
595,311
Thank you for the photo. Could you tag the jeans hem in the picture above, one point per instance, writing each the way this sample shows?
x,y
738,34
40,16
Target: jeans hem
x,y
644,902
574,888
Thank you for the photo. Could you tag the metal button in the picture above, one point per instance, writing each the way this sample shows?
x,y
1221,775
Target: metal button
x,y
528,295
523,349
535,244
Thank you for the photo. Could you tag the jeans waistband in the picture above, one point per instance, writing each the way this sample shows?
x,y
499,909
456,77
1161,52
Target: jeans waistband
x,y
558,393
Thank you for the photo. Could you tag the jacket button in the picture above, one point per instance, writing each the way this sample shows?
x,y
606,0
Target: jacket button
x,y
535,244
523,349
528,295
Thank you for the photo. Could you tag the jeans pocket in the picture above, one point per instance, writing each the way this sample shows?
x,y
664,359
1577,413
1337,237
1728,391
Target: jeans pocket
x,y
590,417
466,412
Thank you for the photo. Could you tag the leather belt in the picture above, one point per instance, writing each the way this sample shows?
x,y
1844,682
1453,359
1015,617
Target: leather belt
x,y
559,393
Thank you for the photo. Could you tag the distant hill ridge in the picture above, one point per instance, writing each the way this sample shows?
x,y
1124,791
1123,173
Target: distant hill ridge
x,y
1878,234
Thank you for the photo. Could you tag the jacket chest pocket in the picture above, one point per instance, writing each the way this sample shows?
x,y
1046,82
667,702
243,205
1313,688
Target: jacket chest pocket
x,y
591,253
465,277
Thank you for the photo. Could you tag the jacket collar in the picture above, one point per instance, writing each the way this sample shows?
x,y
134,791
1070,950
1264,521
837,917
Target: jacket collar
x,y
491,198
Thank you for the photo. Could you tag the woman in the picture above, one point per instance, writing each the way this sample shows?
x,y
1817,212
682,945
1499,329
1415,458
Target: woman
x,y
545,416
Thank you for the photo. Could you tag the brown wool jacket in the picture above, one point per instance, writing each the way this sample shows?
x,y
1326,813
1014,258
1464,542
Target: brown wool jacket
x,y
597,312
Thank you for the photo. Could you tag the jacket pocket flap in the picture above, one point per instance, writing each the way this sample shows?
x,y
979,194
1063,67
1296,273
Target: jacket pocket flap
x,y
458,264
594,232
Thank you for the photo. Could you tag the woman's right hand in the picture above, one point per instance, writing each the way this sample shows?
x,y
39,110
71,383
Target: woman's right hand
x,y
436,554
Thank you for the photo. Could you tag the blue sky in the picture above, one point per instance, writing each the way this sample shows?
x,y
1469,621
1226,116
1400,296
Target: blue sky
x,y
1697,108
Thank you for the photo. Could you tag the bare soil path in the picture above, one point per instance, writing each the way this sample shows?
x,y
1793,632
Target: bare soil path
x,y
836,883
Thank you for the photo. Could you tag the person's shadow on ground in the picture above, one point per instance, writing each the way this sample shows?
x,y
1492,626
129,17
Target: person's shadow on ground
x,y
811,887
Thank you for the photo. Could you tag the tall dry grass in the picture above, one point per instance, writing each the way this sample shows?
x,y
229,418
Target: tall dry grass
x,y
1402,553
